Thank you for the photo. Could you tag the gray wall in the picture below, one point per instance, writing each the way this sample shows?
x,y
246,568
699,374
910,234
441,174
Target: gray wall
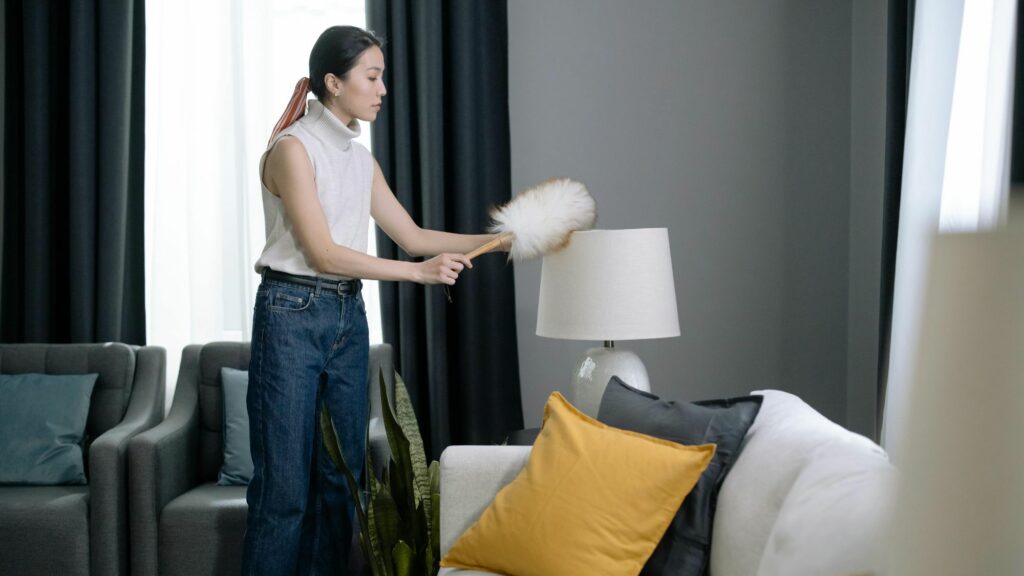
x,y
867,182
729,123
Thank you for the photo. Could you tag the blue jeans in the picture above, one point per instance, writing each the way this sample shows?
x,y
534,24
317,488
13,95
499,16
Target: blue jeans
x,y
310,346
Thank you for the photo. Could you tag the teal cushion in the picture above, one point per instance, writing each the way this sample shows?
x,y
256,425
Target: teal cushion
x,y
42,422
237,467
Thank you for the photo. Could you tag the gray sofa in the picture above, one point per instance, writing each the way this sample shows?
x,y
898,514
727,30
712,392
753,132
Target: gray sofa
x,y
182,522
73,530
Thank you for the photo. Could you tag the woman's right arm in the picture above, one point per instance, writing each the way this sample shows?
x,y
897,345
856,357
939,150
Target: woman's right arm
x,y
289,176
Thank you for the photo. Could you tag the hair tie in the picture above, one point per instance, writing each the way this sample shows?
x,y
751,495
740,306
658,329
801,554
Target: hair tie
x,y
295,110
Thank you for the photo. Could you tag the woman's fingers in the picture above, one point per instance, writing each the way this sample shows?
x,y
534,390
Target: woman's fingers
x,y
462,260
445,268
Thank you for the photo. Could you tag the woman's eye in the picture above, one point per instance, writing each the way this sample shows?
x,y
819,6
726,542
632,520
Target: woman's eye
x,y
373,79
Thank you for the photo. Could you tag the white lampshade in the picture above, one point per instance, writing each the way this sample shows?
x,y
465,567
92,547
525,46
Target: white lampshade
x,y
609,285
961,504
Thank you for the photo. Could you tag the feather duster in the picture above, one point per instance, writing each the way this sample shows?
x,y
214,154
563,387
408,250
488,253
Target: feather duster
x,y
541,219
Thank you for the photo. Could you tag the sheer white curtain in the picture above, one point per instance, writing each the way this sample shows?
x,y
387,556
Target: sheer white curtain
x,y
955,170
219,73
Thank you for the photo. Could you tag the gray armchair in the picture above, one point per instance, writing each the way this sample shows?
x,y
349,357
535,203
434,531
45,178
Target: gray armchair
x,y
72,530
182,522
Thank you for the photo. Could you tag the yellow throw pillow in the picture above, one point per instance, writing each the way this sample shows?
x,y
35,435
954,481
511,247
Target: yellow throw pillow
x,y
592,500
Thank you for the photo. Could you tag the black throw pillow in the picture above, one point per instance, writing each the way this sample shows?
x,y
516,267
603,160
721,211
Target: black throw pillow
x,y
685,549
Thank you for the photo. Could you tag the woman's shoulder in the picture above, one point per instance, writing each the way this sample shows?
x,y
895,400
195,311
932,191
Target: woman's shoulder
x,y
288,148
288,155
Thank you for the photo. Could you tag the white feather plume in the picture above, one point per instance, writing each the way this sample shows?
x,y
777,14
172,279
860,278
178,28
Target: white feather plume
x,y
542,218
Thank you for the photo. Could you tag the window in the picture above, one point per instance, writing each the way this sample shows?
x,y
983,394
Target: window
x,y
977,147
218,77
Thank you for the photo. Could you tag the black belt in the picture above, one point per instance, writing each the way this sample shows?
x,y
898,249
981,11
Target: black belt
x,y
339,286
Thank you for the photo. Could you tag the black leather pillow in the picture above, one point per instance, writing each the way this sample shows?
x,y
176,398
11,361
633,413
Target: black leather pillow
x,y
686,547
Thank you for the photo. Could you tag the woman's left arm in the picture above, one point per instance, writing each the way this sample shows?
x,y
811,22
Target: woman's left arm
x,y
400,227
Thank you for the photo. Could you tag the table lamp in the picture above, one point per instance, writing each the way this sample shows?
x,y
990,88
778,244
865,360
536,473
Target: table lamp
x,y
961,503
608,285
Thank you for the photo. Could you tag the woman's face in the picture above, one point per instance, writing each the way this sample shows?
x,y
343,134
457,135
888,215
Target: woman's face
x,y
360,94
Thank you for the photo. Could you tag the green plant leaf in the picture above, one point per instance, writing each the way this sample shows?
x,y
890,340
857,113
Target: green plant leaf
x,y
380,556
431,564
403,506
403,556
329,437
402,476
435,531
421,529
406,416
435,514
386,519
401,488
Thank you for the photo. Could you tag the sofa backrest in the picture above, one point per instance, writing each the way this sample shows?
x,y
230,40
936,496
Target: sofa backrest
x,y
113,361
217,355
801,478
212,358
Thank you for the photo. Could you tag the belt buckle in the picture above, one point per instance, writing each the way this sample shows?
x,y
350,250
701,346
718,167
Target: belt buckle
x,y
341,287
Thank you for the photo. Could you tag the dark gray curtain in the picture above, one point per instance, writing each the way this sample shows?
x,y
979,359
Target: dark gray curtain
x,y
73,180
1017,143
900,35
442,140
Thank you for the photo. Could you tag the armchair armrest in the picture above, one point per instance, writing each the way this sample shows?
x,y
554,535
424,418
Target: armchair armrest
x,y
470,478
108,466
163,464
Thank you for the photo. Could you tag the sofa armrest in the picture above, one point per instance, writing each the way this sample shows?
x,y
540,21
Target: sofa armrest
x,y
470,478
163,464
108,465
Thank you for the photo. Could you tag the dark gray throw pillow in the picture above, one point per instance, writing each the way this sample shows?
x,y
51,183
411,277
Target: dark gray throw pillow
x,y
237,467
42,422
686,547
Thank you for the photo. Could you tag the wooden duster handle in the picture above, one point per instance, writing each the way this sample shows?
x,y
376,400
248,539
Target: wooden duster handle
x,y
489,247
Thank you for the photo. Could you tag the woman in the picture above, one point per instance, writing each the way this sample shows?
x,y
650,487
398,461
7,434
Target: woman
x,y
310,340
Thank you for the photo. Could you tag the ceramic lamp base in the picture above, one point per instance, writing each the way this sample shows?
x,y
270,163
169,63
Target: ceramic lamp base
x,y
595,370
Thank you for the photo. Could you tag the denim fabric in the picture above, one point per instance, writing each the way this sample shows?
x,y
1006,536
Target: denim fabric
x,y
309,344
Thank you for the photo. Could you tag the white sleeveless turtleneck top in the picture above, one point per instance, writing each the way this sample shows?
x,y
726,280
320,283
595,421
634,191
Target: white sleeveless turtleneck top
x,y
343,172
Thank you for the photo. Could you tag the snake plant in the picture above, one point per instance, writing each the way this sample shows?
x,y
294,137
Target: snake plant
x,y
399,528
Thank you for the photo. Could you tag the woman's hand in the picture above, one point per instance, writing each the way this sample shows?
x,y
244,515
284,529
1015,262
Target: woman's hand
x,y
442,269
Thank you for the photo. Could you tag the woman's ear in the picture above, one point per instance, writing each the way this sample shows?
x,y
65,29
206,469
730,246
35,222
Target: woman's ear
x,y
334,84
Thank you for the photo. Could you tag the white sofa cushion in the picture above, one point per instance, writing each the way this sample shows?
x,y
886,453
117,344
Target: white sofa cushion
x,y
786,436
470,477
835,518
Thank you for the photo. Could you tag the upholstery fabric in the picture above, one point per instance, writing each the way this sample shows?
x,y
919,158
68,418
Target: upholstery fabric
x,y
42,422
45,530
686,548
592,500
212,358
800,483
845,493
114,362
237,467
182,522
201,531
128,397
785,438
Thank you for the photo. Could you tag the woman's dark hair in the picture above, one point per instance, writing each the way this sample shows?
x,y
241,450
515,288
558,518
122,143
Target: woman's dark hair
x,y
336,52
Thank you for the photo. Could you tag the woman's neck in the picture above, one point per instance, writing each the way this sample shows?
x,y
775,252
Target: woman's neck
x,y
340,114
